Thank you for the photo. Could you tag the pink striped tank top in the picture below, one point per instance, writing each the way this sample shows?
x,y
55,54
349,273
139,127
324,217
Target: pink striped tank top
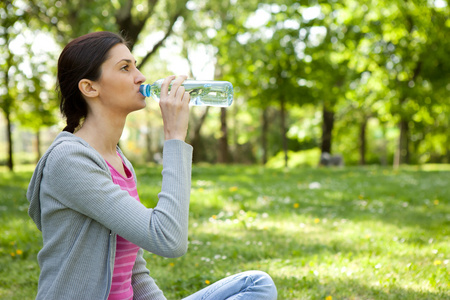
x,y
125,251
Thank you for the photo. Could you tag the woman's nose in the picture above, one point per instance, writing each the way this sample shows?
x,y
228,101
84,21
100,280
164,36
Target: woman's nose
x,y
140,78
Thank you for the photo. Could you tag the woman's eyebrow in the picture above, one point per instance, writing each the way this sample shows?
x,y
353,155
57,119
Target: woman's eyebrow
x,y
126,60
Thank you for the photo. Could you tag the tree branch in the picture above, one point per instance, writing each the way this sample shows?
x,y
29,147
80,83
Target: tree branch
x,y
160,43
124,12
151,8
44,18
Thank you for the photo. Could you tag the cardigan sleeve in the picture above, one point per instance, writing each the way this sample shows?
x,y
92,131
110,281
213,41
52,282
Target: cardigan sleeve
x,y
144,287
79,178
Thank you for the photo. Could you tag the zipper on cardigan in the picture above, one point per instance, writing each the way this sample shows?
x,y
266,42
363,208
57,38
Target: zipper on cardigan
x,y
109,273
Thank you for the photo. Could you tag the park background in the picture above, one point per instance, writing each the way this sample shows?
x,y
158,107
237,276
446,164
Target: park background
x,y
366,80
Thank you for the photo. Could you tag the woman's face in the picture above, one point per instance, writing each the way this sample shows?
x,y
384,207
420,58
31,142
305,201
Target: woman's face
x,y
120,80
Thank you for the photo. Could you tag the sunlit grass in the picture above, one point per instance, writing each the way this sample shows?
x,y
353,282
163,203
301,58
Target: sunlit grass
x,y
350,233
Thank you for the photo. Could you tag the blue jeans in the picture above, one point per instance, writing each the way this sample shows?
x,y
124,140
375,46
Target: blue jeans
x,y
250,285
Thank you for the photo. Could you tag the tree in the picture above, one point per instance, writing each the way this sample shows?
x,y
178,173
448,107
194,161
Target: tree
x,y
358,60
38,98
67,19
265,61
217,23
13,20
377,53
398,39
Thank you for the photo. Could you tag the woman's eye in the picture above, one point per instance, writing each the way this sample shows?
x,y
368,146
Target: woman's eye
x,y
125,68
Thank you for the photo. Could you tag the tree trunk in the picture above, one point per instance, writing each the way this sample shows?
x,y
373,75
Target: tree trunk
x,y
196,139
148,141
402,153
362,142
327,129
384,151
283,129
130,25
223,141
10,163
38,145
265,129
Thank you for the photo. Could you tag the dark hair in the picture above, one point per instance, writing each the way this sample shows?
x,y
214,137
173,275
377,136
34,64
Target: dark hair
x,y
81,59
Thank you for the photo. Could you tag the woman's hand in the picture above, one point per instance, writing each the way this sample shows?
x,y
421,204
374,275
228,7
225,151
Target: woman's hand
x,y
174,108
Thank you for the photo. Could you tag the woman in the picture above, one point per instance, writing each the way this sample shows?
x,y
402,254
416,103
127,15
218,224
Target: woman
x,y
83,192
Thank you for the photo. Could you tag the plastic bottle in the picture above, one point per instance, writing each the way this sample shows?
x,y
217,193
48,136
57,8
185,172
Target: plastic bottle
x,y
203,92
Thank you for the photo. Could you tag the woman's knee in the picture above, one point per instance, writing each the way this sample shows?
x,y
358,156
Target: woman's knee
x,y
264,284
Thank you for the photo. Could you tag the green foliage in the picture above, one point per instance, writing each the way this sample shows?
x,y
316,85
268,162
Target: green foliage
x,y
348,233
361,59
67,19
370,62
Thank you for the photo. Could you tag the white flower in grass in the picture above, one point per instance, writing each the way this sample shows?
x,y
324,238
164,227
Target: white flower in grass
x,y
314,185
286,200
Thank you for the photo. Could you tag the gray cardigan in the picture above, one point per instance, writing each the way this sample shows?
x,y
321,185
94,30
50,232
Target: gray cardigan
x,y
79,210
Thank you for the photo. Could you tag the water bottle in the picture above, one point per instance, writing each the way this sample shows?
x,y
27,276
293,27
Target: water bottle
x,y
203,92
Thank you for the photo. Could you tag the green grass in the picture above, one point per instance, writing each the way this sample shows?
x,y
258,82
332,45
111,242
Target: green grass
x,y
348,233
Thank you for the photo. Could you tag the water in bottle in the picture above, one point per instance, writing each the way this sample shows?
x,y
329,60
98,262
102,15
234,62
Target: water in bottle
x,y
203,92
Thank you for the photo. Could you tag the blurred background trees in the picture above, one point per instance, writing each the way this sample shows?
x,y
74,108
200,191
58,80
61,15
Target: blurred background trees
x,y
365,79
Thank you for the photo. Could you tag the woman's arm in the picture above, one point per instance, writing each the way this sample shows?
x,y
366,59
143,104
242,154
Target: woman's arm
x,y
79,178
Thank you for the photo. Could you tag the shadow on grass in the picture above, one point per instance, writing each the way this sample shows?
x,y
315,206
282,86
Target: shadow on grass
x,y
405,198
301,289
251,246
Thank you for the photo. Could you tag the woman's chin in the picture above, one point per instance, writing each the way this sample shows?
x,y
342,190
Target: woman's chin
x,y
142,105
138,107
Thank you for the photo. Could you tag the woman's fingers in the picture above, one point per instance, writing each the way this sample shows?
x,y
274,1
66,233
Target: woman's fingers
x,y
180,93
174,108
177,90
165,86
186,98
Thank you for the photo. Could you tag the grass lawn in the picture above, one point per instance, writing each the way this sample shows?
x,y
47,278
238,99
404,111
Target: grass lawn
x,y
338,233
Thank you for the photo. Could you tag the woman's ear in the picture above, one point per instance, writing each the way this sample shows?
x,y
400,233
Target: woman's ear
x,y
87,88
